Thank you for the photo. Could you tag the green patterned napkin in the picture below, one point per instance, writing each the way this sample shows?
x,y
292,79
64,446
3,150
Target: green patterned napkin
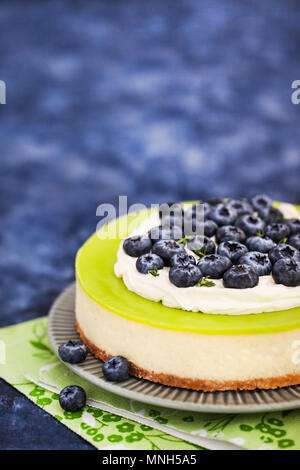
x,y
112,422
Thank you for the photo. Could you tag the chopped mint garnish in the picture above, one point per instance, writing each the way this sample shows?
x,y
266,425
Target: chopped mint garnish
x,y
184,240
260,233
205,282
154,272
202,252
284,240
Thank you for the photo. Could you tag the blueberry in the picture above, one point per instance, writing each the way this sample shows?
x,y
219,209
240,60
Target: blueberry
x,y
203,244
185,276
72,398
166,249
261,201
172,222
275,215
250,224
197,227
286,271
206,208
241,206
194,219
137,245
149,262
259,261
215,201
163,233
222,214
277,231
182,260
230,232
210,228
295,241
214,266
283,251
72,352
240,276
261,244
233,250
194,227
195,211
294,225
116,369
270,215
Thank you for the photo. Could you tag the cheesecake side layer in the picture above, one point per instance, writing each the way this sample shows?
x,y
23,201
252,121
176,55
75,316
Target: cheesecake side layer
x,y
189,360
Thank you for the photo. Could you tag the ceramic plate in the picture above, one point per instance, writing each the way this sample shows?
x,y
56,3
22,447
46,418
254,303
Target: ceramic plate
x,y
61,328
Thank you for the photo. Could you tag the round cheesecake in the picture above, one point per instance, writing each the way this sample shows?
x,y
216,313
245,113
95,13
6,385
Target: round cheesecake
x,y
215,339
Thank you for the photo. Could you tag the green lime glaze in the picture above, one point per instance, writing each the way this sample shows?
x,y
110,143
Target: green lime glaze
x,y
95,273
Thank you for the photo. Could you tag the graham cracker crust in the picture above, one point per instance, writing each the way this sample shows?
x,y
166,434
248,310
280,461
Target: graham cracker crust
x,y
196,384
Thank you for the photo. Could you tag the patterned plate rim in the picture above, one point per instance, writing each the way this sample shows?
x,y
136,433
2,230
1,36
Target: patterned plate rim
x,y
61,327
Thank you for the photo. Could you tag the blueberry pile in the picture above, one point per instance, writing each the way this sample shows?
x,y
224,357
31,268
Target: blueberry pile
x,y
243,240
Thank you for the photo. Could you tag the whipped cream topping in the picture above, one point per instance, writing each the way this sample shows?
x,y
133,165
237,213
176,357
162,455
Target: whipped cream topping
x,y
265,297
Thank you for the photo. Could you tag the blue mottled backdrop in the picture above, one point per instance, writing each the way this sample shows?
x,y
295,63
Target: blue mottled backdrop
x,y
158,100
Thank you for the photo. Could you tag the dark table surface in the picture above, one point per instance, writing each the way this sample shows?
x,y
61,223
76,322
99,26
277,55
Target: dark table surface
x,y
156,100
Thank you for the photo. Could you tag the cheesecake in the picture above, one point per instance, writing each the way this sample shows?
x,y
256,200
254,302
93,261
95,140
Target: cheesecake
x,y
237,327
